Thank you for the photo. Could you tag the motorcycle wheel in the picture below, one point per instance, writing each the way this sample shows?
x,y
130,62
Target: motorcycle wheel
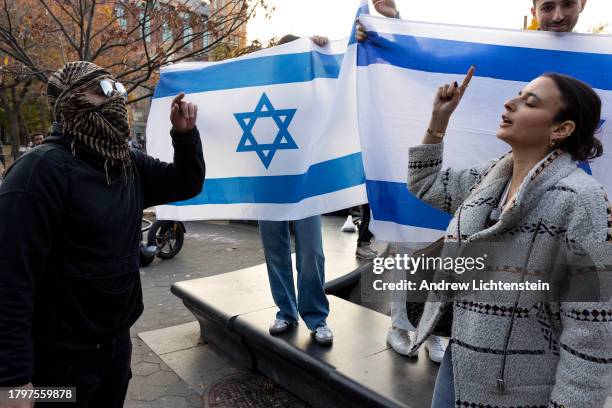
x,y
168,237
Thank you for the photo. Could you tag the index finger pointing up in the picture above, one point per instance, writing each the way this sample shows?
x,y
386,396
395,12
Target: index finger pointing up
x,y
468,77
178,98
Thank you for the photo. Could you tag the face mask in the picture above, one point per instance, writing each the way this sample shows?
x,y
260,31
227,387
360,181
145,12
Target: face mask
x,y
104,127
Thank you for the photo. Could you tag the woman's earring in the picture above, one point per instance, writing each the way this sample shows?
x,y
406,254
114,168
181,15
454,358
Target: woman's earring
x,y
551,143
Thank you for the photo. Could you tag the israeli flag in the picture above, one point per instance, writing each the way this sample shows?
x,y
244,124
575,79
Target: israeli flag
x,y
400,67
279,131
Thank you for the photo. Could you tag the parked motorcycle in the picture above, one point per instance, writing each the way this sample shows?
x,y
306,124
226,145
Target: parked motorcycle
x,y
164,240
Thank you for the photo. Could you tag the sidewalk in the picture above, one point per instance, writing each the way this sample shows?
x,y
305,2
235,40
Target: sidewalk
x,y
210,249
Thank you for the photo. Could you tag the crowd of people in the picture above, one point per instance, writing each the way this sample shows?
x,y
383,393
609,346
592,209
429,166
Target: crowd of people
x,y
70,288
35,139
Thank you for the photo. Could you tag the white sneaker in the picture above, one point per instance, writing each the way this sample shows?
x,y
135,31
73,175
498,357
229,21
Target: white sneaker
x,y
365,252
280,326
436,347
400,341
323,335
348,225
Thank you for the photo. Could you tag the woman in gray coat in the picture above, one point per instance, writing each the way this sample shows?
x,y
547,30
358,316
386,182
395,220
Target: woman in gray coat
x,y
526,352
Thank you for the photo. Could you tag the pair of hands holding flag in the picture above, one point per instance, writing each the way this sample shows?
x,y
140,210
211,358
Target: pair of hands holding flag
x,y
385,7
183,115
448,96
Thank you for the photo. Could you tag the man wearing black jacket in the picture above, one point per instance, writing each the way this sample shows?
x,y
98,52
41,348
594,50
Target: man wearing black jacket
x,y
70,219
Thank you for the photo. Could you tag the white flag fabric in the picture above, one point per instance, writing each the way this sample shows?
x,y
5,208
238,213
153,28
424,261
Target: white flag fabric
x,y
399,70
288,131
278,128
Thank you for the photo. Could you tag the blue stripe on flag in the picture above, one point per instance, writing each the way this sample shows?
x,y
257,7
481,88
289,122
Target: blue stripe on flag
x,y
271,70
391,201
321,178
494,61
586,167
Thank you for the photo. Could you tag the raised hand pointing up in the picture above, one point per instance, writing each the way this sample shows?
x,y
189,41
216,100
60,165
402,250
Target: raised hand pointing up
x,y
448,96
183,114
446,101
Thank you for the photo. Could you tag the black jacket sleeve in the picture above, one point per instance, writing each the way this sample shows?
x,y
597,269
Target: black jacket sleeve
x,y
169,182
31,201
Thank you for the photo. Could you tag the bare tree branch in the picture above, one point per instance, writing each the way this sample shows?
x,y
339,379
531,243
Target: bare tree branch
x,y
67,36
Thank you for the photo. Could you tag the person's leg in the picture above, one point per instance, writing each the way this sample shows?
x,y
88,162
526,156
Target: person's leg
x,y
111,393
365,236
364,249
312,302
83,370
276,242
398,335
100,376
399,316
444,390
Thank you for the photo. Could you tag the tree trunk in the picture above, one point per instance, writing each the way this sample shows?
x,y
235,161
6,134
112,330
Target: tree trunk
x,y
42,112
14,126
12,106
24,132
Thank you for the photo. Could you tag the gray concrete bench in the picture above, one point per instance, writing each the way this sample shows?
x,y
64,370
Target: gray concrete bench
x,y
235,309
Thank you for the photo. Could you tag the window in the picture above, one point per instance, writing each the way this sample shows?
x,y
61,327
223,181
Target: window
x,y
205,38
166,33
120,13
187,32
147,25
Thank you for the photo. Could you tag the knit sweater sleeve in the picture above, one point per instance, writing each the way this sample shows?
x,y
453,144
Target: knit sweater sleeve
x,y
584,372
444,189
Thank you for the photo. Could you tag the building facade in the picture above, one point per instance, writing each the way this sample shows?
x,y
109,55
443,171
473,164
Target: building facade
x,y
204,22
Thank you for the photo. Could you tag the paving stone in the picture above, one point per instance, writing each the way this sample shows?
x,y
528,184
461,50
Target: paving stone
x,y
195,401
146,392
163,378
139,347
164,367
179,389
170,402
151,357
137,404
136,358
145,368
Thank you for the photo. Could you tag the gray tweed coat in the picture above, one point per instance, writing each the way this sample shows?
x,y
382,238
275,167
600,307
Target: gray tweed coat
x,y
559,353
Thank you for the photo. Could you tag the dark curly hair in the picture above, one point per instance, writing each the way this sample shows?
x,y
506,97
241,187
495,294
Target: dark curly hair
x,y
582,105
287,39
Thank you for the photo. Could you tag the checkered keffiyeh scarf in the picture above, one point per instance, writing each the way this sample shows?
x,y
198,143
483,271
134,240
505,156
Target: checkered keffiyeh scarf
x,y
105,127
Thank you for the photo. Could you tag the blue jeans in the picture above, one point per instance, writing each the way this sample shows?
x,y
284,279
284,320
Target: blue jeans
x,y
444,391
311,302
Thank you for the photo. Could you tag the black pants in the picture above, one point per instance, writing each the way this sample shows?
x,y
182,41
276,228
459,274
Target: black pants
x,y
100,375
365,236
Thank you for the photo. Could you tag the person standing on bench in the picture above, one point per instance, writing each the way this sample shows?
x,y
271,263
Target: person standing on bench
x,y
402,316
69,238
311,302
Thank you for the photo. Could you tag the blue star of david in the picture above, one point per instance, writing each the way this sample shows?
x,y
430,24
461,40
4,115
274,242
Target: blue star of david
x,y
283,140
